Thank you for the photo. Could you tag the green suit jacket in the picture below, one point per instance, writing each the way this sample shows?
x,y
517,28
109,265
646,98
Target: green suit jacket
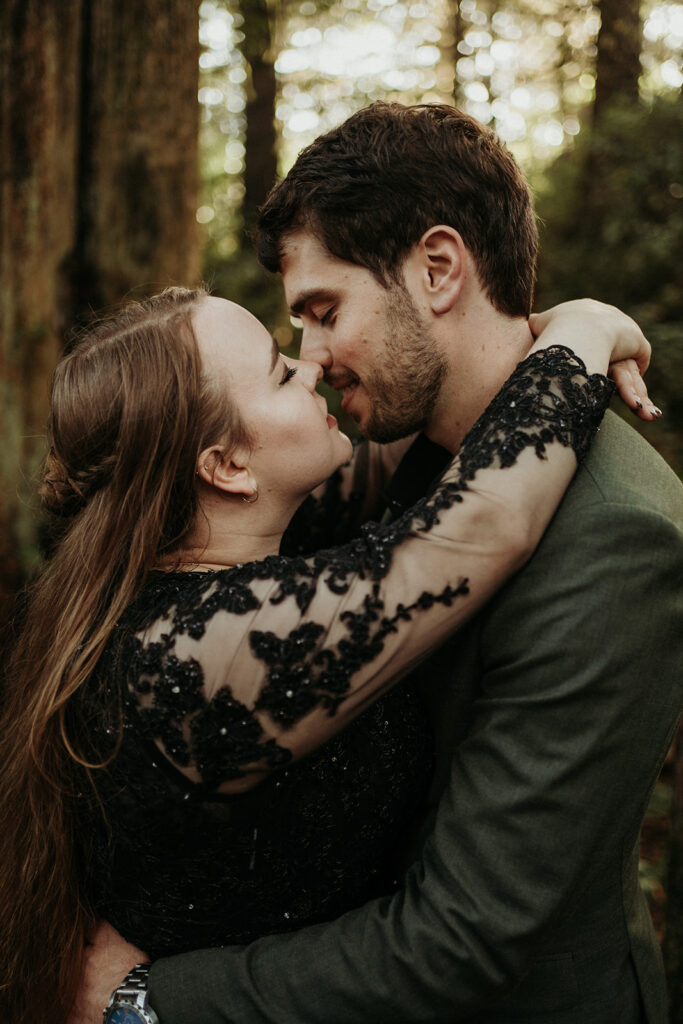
x,y
553,710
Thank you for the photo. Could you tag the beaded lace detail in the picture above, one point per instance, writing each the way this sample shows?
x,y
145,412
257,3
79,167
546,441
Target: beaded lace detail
x,y
220,670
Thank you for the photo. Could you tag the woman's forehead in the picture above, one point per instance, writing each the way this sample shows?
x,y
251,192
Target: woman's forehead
x,y
229,337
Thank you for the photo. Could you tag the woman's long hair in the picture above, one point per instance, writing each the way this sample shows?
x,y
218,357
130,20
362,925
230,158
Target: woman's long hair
x,y
130,412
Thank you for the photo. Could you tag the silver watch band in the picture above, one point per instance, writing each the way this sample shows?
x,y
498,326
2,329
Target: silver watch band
x,y
133,990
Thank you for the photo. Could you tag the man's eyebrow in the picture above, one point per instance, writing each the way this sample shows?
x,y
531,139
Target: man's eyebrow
x,y
303,298
275,355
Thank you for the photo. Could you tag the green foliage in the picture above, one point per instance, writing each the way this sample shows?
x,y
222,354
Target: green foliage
x,y
241,278
612,228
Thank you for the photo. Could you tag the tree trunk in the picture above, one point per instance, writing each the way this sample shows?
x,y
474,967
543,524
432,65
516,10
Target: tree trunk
x,y
139,157
453,34
617,71
260,161
39,90
618,62
98,191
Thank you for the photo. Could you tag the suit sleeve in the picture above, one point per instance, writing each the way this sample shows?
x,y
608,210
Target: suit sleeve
x,y
573,647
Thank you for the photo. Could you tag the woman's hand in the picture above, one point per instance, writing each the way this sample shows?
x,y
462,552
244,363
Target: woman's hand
x,y
610,331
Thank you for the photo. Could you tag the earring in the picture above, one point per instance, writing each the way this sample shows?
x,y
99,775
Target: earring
x,y
250,501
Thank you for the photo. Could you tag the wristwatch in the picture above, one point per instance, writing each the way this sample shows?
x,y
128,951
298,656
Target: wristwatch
x,y
128,1004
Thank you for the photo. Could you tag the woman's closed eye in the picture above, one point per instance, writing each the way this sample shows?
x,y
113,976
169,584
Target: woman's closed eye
x,y
326,318
290,372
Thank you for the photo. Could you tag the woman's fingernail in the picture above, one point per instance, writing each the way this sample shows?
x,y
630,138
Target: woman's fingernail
x,y
655,411
639,403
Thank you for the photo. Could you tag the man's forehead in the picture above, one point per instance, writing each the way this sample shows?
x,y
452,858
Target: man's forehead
x,y
307,267
303,250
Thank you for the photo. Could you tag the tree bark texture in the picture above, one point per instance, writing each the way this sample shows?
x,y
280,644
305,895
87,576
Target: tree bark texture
x,y
39,102
260,161
618,61
98,192
139,162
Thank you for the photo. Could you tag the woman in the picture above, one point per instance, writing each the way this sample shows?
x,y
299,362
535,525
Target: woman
x,y
172,659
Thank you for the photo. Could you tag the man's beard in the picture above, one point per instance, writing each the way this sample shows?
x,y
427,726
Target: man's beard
x,y
403,396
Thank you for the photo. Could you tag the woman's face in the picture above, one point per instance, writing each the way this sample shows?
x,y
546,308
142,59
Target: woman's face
x,y
297,444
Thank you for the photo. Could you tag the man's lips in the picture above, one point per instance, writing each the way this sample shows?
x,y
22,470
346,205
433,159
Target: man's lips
x,y
347,385
347,395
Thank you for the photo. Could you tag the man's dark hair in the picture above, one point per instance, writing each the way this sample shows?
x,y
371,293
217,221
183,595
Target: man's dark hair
x,y
372,187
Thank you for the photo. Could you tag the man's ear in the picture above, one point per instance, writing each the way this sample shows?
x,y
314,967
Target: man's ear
x,y
227,473
443,258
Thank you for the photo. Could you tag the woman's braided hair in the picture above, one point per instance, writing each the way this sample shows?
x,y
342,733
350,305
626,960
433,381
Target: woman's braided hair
x,y
65,493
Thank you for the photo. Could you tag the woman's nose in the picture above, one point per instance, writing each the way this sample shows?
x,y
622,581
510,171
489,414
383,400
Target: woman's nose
x,y
311,371
314,348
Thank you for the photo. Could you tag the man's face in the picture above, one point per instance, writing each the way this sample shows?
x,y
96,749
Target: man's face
x,y
372,342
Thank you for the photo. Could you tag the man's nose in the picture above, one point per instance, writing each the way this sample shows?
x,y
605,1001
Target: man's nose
x,y
314,348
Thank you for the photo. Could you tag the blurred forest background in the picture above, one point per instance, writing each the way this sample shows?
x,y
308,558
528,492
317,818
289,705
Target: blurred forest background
x,y
137,140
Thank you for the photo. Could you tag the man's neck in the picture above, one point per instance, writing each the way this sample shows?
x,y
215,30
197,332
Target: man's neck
x,y
488,348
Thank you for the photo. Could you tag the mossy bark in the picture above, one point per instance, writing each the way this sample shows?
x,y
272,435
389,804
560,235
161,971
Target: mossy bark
x,y
39,103
98,191
138,154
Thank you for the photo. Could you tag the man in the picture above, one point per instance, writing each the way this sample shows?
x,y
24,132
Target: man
x,y
407,246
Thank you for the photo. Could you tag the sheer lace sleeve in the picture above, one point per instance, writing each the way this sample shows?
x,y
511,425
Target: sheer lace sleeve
x,y
356,493
239,671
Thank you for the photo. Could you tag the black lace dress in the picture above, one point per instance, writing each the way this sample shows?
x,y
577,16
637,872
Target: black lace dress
x,y
213,680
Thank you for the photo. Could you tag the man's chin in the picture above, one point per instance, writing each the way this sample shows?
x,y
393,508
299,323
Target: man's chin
x,y
384,425
385,433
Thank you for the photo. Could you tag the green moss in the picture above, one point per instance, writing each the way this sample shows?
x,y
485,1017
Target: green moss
x,y
612,228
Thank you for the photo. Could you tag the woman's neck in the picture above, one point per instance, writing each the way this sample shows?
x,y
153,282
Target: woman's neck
x,y
221,552
225,535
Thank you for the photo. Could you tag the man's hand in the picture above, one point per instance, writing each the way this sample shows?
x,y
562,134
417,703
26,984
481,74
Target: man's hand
x,y
630,350
108,959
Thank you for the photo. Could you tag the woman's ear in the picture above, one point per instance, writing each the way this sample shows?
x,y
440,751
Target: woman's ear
x,y
229,474
443,256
